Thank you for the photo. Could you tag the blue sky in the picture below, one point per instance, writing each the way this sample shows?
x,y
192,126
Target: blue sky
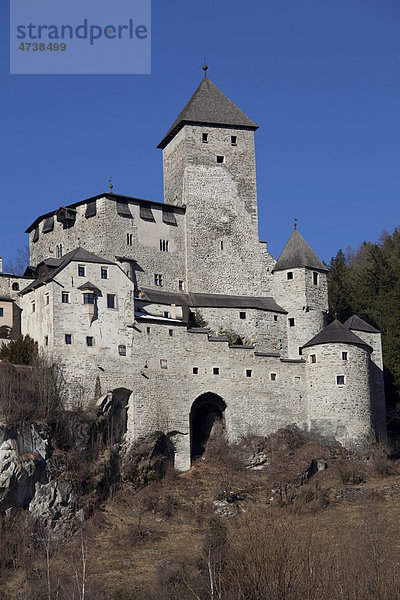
x,y
320,77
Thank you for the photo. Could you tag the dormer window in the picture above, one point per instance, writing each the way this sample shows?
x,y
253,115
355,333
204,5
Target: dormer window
x,y
204,138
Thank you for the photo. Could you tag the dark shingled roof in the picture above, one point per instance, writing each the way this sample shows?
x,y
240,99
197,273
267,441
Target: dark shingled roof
x,y
77,255
209,106
358,324
211,300
297,253
336,333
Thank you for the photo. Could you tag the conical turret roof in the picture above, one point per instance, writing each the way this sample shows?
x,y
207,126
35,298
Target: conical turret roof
x,y
208,106
335,332
297,253
358,324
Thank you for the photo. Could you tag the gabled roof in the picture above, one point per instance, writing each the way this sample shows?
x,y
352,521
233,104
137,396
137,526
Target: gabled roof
x,y
211,300
358,324
77,255
109,196
208,106
297,253
336,333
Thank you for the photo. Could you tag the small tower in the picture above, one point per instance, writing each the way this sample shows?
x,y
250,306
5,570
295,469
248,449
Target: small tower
x,y
209,166
300,286
372,336
338,384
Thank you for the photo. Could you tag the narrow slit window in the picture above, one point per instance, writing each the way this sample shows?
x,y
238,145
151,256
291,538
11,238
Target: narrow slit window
x,y
129,239
46,340
221,245
204,138
181,286
233,140
291,322
275,318
170,332
148,330
345,356
315,278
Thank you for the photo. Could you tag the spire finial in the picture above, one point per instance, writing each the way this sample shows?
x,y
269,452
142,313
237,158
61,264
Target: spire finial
x,y
205,66
110,185
295,223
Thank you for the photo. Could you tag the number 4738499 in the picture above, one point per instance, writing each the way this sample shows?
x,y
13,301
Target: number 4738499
x,y
42,47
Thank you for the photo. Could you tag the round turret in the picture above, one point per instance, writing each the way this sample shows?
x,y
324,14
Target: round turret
x,y
338,385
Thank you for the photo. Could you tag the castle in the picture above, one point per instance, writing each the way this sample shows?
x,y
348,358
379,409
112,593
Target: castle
x,y
176,313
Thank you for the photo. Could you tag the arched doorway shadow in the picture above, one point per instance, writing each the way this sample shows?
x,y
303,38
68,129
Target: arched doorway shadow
x,y
205,411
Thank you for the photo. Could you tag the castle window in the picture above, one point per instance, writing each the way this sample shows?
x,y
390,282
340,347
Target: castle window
x,y
158,279
1,312
88,298
313,358
233,140
170,332
220,159
46,340
33,307
68,338
111,301
221,245
122,350
129,239
15,287
89,341
291,322
249,373
275,317
163,363
59,250
345,356
340,379
215,370
166,314
164,246
81,271
290,275
204,138
148,330
65,297
315,278
47,299
181,285
297,380
273,376
242,315
104,273
300,350
195,370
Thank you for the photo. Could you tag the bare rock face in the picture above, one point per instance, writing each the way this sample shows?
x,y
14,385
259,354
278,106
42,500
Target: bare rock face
x,y
23,454
53,501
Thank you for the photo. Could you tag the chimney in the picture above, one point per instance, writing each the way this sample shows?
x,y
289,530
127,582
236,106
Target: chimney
x,y
1,265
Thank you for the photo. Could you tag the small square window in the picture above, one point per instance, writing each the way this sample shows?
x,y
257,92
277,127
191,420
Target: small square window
x,y
233,140
290,275
68,338
204,138
163,363
345,356
242,315
340,379
220,159
181,286
148,330
89,341
275,318
170,332
313,358
104,273
273,376
81,271
195,370
315,278
249,373
110,300
65,297
291,322
122,350
215,370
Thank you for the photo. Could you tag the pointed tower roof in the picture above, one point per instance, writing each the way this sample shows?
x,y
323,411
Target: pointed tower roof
x,y
297,253
208,106
336,333
357,324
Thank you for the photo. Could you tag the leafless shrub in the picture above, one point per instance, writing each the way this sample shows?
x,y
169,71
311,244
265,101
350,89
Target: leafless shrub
x,y
349,472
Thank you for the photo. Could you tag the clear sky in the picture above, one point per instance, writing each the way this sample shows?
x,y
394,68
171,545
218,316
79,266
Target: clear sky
x,y
320,77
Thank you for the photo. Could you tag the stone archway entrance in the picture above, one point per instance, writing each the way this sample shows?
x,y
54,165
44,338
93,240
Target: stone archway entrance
x,y
206,410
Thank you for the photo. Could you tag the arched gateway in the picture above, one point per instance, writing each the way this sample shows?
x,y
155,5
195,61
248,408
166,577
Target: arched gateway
x,y
205,411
